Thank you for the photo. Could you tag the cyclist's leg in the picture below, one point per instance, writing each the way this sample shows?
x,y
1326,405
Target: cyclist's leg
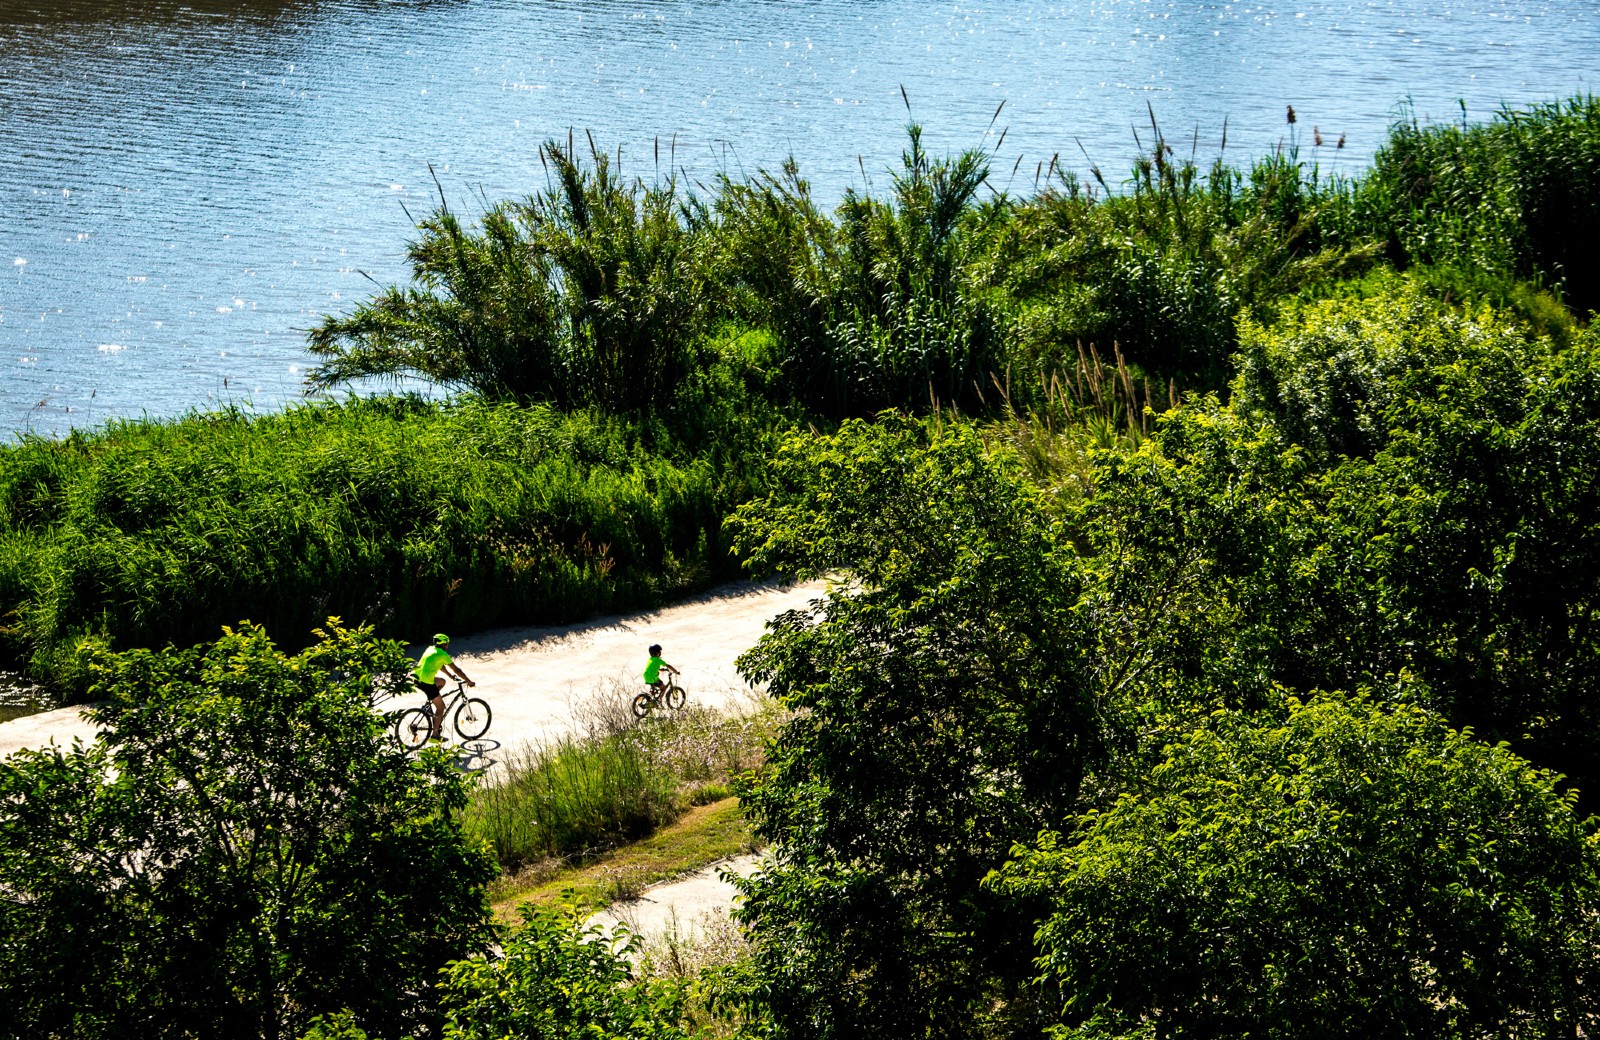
x,y
434,691
438,708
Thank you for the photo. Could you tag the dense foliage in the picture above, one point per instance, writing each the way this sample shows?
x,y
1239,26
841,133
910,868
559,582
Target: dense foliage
x,y
1349,869
556,978
1517,197
552,977
244,848
410,515
1398,489
711,313
1117,681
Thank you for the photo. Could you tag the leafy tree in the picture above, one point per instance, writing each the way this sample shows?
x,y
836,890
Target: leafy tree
x,y
941,713
243,848
1394,489
1348,869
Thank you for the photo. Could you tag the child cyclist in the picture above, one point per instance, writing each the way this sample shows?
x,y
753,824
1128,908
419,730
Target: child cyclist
x,y
427,675
652,670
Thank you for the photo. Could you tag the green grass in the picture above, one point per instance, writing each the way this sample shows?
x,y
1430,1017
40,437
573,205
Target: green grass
x,y
700,837
581,796
572,798
622,806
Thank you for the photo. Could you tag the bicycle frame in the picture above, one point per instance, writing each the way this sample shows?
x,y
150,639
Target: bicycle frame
x,y
414,726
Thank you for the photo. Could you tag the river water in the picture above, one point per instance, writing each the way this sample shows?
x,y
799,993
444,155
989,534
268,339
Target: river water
x,y
186,187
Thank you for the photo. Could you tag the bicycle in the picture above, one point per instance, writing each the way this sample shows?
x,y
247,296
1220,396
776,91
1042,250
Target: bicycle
x,y
671,696
414,726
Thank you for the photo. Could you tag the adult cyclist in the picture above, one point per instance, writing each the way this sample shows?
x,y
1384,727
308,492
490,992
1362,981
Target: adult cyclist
x,y
427,675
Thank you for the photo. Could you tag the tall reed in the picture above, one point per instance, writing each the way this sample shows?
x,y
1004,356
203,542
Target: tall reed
x,y
1517,196
588,293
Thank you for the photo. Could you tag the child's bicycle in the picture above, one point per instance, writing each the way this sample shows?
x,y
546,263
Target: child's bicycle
x,y
670,696
414,726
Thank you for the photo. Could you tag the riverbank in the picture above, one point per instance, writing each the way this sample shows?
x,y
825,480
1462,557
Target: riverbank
x,y
611,423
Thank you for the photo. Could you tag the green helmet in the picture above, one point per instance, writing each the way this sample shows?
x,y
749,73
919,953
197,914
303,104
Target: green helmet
x,y
440,639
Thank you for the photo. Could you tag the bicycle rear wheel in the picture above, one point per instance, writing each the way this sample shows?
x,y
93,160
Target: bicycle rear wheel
x,y
676,697
472,718
642,705
413,728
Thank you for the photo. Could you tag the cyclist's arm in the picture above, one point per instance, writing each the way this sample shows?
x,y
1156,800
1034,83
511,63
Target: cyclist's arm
x,y
455,669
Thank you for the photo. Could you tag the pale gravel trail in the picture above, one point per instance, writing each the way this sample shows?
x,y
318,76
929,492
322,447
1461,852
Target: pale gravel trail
x,y
689,906
536,679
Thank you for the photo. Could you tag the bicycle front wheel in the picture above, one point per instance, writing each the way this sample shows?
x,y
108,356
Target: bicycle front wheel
x,y
676,697
413,728
472,718
642,705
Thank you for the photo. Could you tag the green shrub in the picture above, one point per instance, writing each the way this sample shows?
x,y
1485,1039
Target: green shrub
x,y
1341,868
555,977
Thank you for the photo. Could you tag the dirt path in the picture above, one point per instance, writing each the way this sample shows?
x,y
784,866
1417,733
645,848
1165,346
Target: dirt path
x,y
687,908
540,680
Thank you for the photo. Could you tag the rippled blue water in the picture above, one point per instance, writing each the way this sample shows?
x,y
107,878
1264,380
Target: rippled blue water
x,y
185,188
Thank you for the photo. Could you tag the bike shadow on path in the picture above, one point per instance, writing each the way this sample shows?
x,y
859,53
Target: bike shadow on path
x,y
474,756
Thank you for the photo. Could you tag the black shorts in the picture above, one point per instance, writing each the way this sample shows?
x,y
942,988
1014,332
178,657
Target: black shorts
x,y
428,687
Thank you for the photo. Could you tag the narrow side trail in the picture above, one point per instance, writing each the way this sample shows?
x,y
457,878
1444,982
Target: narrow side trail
x,y
535,678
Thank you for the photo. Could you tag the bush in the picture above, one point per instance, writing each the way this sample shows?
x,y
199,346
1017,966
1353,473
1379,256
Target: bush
x,y
555,978
1347,870
242,849
552,977
878,309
